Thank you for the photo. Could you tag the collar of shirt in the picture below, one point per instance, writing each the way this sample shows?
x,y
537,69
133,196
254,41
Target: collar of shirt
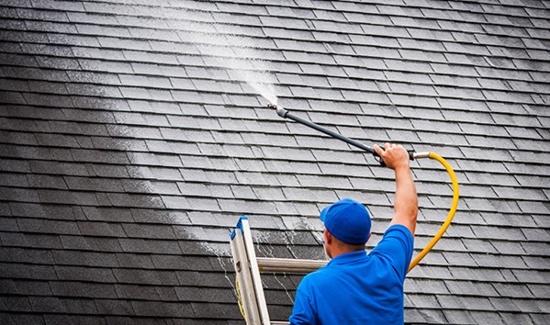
x,y
348,257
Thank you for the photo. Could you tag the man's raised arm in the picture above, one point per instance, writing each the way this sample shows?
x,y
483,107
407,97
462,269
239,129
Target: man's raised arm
x,y
406,201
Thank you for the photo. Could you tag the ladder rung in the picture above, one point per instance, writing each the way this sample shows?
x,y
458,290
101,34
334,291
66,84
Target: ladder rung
x,y
270,264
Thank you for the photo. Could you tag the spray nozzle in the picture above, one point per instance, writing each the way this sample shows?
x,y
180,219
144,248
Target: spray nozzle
x,y
280,111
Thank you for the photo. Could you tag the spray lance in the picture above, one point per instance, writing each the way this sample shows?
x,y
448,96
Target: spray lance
x,y
286,114
412,155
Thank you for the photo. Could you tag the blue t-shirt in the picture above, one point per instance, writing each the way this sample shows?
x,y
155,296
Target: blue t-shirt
x,y
356,288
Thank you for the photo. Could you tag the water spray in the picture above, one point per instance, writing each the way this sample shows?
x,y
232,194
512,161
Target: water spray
x,y
412,155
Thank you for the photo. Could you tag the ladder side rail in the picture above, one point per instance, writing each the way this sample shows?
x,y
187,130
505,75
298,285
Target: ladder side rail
x,y
244,277
255,271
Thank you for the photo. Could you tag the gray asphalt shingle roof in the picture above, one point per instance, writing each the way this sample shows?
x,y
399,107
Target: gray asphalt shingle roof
x,y
131,142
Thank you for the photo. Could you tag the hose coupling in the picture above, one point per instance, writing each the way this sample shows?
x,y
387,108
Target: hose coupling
x,y
417,155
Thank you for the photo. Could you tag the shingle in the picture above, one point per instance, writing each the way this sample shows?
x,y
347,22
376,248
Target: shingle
x,y
423,301
480,289
533,207
409,66
29,240
475,245
513,290
101,229
76,16
84,259
165,151
114,306
244,207
26,271
158,159
25,287
78,183
204,294
426,286
458,317
152,277
149,231
71,273
517,318
536,248
205,310
101,170
486,317
16,303
149,246
476,303
77,289
136,292
134,260
26,255
538,290
48,226
505,304
96,244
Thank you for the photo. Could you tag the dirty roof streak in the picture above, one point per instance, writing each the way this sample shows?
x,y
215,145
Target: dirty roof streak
x,y
133,136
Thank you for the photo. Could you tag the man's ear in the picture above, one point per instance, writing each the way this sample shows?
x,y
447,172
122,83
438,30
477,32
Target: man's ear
x,y
328,236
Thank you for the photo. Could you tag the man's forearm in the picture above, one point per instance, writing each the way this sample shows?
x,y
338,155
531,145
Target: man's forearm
x,y
406,200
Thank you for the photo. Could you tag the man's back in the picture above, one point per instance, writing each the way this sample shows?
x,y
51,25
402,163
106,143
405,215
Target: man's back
x,y
360,289
356,288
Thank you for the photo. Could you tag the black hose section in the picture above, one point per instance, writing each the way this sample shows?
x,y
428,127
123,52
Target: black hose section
x,y
328,132
285,114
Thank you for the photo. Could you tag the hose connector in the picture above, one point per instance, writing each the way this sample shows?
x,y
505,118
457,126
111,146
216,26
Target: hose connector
x,y
418,155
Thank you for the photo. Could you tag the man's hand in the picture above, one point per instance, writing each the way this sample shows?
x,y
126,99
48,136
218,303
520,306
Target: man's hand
x,y
395,156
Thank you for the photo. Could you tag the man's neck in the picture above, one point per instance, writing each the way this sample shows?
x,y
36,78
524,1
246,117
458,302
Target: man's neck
x,y
339,252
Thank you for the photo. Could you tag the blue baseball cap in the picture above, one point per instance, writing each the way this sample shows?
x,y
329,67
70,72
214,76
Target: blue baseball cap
x,y
347,220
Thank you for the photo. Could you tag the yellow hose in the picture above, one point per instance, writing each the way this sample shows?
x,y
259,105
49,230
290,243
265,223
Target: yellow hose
x,y
450,216
239,299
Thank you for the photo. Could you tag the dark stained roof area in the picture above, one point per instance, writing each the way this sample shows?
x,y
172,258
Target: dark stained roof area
x,y
134,133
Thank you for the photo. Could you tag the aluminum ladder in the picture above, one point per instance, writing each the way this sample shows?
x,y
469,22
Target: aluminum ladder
x,y
248,267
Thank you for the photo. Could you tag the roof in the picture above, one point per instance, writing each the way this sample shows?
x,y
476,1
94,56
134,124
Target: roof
x,y
134,134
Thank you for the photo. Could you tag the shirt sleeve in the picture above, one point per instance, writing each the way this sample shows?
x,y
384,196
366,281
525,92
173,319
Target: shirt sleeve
x,y
302,313
397,246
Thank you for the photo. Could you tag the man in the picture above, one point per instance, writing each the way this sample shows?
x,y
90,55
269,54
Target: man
x,y
356,287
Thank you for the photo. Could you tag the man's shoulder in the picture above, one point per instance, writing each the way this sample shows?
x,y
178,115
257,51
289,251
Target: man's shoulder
x,y
396,237
398,229
325,273
395,248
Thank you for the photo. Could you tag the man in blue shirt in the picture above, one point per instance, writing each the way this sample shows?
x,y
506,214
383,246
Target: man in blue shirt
x,y
356,287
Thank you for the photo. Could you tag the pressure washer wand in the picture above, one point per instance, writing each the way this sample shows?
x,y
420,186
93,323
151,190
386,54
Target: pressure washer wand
x,y
285,114
412,155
